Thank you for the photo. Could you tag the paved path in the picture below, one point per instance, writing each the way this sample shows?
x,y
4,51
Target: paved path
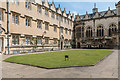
x,y
108,68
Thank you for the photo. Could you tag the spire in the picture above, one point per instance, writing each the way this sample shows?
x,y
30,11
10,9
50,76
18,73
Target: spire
x,y
95,9
108,8
64,9
86,12
59,5
52,1
69,12
94,5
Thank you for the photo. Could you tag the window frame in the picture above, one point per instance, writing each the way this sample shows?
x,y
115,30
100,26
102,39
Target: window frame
x,y
53,15
66,31
55,29
1,15
61,30
39,24
39,41
39,9
28,41
15,18
46,41
55,41
69,32
46,12
112,28
28,22
15,40
47,26
100,31
27,4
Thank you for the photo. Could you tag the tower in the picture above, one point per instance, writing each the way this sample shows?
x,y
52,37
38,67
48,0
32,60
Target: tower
x,y
95,9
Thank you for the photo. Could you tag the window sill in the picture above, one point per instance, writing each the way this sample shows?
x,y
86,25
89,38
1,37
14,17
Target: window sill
x,y
15,44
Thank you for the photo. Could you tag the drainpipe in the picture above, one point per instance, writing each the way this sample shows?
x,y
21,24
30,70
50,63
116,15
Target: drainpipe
x,y
8,26
94,31
59,19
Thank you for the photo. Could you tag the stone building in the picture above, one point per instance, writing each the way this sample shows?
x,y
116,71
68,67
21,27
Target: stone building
x,y
98,29
34,24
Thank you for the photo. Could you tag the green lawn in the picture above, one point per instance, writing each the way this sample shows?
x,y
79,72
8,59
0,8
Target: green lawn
x,y
56,59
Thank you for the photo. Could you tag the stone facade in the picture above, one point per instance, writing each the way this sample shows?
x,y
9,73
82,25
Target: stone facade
x,y
34,24
98,29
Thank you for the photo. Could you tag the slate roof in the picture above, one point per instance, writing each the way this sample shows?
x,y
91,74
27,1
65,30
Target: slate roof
x,y
101,14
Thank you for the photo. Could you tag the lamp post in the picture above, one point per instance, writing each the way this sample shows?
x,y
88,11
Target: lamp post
x,y
8,25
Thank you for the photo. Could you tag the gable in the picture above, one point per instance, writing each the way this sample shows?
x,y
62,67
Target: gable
x,y
39,2
46,3
86,16
96,15
109,13
59,10
64,13
53,7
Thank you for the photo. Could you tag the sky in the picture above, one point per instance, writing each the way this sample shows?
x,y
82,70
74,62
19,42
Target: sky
x,y
82,7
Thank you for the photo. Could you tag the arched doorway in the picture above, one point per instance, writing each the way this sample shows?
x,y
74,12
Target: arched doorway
x,y
61,42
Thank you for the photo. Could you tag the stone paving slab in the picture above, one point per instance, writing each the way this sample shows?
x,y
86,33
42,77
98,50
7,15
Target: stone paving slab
x,y
108,68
